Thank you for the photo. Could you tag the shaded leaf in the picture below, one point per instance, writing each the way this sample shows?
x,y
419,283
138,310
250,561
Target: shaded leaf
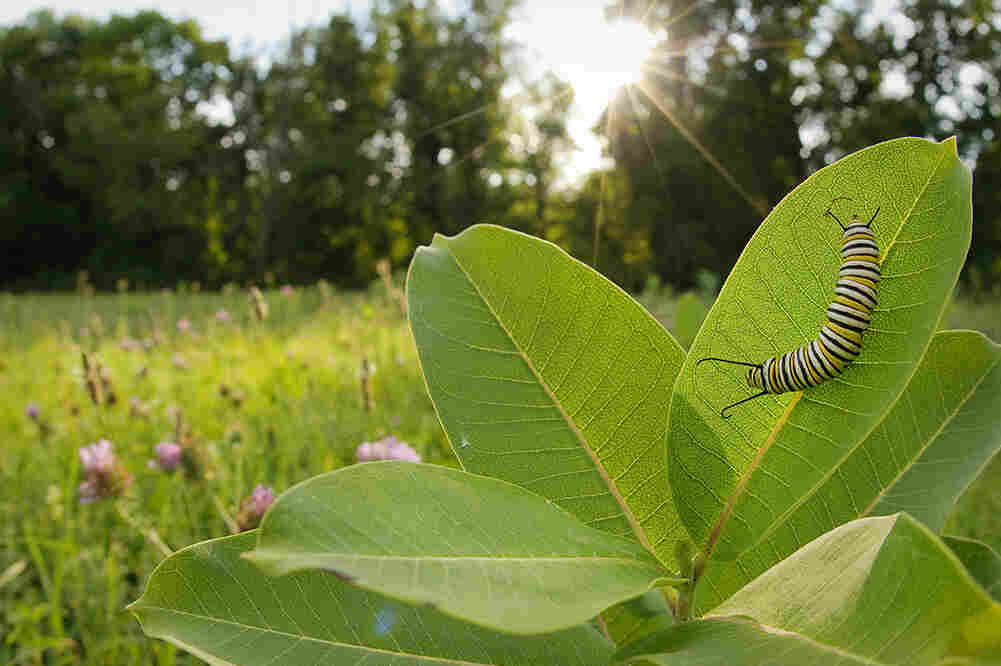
x,y
209,601
478,548
983,563
547,375
630,620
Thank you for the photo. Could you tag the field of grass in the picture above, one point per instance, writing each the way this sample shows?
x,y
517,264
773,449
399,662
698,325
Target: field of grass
x,y
255,402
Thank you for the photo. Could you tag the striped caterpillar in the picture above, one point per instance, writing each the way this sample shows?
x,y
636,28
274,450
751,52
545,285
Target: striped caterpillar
x,y
848,315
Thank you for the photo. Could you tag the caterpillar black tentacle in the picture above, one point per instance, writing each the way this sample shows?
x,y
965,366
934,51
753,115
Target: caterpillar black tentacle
x,y
848,316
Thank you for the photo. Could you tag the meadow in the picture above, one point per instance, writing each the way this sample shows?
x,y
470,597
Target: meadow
x,y
252,400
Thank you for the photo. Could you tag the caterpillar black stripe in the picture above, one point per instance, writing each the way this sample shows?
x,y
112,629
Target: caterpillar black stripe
x,y
848,316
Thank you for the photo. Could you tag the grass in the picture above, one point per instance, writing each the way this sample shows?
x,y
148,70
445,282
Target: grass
x,y
68,570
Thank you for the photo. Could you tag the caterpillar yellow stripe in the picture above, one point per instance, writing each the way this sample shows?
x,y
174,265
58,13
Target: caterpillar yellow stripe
x,y
848,316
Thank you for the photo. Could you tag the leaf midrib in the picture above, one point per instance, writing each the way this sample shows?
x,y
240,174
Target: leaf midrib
x,y
603,473
298,637
262,554
779,425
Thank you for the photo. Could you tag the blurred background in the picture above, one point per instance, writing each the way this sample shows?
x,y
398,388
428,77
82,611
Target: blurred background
x,y
206,210
217,143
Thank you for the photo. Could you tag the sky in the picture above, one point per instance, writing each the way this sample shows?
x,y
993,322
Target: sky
x,y
595,57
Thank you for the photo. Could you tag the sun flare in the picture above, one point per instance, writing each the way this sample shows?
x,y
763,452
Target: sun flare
x,y
620,53
597,57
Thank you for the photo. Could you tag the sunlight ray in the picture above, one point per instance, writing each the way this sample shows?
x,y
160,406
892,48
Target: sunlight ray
x,y
651,94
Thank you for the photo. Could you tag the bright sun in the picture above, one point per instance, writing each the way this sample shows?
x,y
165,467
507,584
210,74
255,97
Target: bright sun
x,y
597,57
620,51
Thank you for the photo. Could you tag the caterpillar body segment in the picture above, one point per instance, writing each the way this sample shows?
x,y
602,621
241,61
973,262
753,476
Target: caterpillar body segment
x,y
840,340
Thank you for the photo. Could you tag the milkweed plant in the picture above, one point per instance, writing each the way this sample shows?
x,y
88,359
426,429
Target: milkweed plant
x,y
605,512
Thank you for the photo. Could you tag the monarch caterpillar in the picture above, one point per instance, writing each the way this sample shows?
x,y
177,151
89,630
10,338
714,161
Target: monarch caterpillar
x,y
848,315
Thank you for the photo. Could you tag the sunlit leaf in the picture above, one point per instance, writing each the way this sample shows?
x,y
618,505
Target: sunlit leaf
x,y
875,591
741,482
547,375
931,445
211,602
883,588
478,548
734,641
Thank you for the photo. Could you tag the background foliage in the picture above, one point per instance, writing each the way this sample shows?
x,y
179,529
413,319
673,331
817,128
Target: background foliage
x,y
361,136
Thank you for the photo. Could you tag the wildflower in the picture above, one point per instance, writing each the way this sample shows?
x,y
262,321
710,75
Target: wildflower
x,y
252,508
129,344
222,316
33,411
288,290
389,448
168,456
137,409
183,325
97,458
105,477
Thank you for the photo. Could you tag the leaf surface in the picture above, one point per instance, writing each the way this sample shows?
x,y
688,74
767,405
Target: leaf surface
x,y
944,428
982,561
738,482
477,548
547,375
630,620
875,591
209,601
881,588
734,641
957,434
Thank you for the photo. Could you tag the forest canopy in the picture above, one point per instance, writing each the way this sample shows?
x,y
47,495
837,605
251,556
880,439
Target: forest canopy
x,y
134,148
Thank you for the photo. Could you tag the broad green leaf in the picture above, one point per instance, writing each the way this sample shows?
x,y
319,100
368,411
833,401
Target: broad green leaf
x,y
734,641
737,481
983,563
958,433
547,375
882,588
940,433
209,601
630,620
477,548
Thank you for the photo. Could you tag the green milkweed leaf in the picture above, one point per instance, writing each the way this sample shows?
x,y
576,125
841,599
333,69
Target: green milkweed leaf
x,y
874,591
547,375
983,563
941,432
743,482
477,548
209,601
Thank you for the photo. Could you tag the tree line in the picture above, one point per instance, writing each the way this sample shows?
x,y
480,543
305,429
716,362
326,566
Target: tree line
x,y
135,148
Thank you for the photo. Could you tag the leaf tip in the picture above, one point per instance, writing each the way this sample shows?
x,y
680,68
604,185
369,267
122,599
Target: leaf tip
x,y
951,142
